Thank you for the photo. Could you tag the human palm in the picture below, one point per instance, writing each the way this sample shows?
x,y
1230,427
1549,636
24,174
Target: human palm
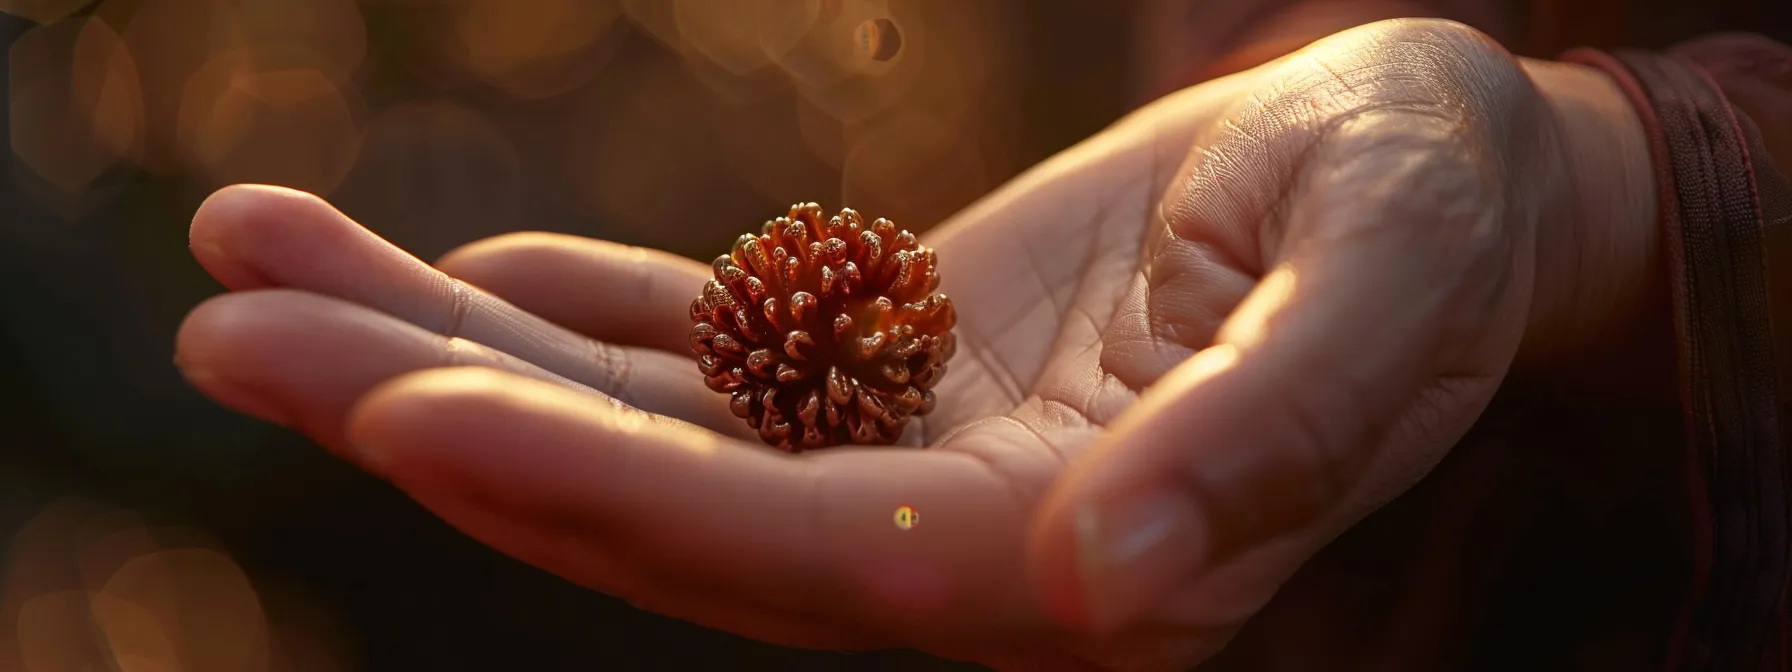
x,y
1129,292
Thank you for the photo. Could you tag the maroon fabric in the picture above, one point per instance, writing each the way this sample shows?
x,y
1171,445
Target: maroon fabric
x,y
1724,204
1755,77
1696,497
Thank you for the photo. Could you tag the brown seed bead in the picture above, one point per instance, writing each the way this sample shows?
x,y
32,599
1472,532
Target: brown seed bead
x,y
824,332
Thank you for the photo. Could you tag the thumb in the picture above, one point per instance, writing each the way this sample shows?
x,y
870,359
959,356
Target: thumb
x,y
1380,332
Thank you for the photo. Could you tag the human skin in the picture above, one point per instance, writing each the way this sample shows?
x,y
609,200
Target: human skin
x,y
1194,349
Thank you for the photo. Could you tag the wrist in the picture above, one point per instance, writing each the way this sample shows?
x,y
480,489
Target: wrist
x,y
1600,289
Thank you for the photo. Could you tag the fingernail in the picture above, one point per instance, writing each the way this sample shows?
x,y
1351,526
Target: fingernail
x,y
1134,549
235,397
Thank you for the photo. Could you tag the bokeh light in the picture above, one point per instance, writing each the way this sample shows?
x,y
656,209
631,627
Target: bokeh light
x,y
90,587
174,41
169,40
878,40
434,174
329,36
725,31
763,143
634,171
675,124
657,19
203,601
823,134
821,42
635,103
76,105
293,127
906,166
537,49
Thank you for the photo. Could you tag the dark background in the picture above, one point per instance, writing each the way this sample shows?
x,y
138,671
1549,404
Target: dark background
x,y
435,123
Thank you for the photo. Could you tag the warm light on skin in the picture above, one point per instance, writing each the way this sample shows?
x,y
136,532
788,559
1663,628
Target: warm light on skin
x,y
440,387
1248,328
1173,387
1249,325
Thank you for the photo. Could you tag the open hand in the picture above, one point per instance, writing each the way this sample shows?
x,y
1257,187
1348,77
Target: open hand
x,y
1192,350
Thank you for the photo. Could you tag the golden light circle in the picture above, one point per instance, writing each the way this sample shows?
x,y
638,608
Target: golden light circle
x,y
906,518
331,32
820,44
204,603
725,31
762,143
537,49
637,169
878,39
916,166
76,105
292,127
657,20
433,174
173,40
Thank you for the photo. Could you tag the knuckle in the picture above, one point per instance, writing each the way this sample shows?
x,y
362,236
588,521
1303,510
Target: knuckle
x,y
458,306
611,367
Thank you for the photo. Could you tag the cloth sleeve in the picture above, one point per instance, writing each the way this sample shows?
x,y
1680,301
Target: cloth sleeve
x,y
1724,208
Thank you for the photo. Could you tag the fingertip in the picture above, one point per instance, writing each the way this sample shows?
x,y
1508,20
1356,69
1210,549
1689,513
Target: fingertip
x,y
228,337
205,328
259,352
239,202
214,347
215,234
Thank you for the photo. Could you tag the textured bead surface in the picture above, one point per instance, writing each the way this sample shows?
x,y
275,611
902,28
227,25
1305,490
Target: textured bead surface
x,y
824,333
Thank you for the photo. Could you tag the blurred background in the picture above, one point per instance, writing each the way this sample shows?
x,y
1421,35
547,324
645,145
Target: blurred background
x,y
143,529
150,530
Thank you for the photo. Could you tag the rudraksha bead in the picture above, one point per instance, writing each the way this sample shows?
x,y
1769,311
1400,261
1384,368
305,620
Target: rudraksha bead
x,y
824,333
